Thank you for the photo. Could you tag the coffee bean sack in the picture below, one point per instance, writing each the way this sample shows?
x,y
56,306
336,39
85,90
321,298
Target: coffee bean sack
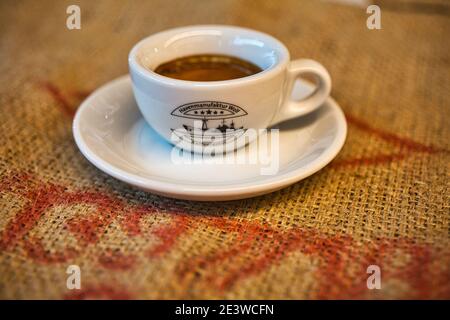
x,y
383,201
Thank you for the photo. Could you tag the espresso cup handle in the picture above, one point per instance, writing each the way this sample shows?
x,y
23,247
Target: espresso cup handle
x,y
296,108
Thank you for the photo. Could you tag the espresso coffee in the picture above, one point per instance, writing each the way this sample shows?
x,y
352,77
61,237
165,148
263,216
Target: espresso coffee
x,y
207,67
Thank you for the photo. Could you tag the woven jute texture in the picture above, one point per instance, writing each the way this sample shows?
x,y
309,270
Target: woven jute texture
x,y
383,201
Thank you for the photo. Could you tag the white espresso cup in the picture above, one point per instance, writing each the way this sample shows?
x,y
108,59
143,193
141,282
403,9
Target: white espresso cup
x,y
217,115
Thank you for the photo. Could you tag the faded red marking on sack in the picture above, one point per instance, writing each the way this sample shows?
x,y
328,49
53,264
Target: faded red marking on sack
x,y
114,260
337,254
246,234
89,229
99,293
42,196
80,94
275,245
266,245
407,147
131,221
416,273
374,160
39,199
403,143
66,107
284,242
37,252
168,235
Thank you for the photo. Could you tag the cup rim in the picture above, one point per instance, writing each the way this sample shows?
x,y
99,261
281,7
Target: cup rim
x,y
280,65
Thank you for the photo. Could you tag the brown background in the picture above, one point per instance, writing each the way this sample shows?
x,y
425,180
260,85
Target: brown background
x,y
384,200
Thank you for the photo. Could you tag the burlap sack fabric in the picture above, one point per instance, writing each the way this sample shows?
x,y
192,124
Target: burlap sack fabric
x,y
383,201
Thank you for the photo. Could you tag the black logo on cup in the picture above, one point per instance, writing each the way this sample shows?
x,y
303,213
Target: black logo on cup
x,y
219,122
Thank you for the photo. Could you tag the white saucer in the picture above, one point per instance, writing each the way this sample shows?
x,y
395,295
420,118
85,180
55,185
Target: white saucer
x,y
111,133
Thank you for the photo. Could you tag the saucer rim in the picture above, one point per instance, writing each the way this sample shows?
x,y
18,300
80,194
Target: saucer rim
x,y
207,192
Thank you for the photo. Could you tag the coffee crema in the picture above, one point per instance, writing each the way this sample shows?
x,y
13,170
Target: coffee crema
x,y
207,67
